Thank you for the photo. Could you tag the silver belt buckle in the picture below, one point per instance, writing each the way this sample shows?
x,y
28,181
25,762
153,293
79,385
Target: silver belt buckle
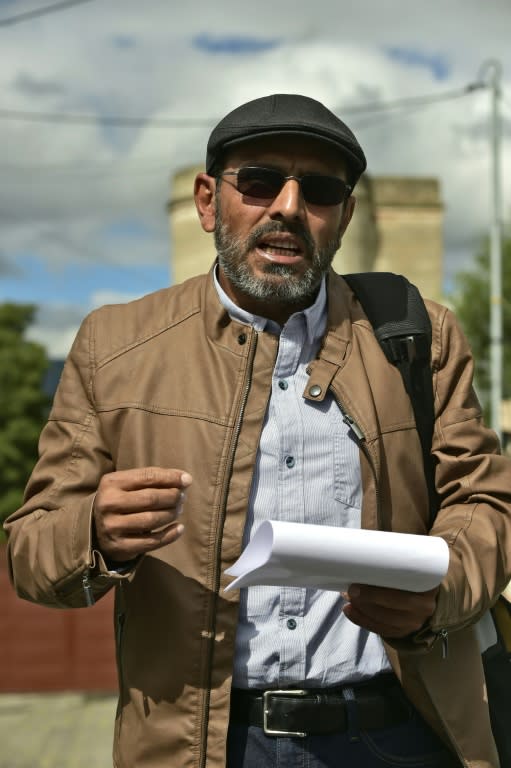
x,y
266,701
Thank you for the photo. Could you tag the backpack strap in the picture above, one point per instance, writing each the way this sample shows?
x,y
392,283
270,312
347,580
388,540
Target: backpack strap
x,y
396,310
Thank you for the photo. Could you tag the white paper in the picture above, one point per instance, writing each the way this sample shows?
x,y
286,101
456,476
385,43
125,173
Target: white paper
x,y
330,558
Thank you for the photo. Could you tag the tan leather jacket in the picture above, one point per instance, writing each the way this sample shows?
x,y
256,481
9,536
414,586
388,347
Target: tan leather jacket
x,y
170,380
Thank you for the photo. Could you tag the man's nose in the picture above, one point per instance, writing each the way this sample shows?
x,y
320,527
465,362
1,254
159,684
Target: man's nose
x,y
289,203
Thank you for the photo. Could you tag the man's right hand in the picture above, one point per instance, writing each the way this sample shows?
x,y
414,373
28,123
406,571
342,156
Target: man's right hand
x,y
135,511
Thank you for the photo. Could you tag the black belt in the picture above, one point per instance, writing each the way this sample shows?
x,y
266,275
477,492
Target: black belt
x,y
302,712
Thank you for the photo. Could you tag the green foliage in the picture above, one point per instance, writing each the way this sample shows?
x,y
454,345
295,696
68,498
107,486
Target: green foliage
x,y
472,305
23,403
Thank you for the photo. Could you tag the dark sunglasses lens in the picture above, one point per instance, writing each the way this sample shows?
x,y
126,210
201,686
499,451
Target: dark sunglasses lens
x,y
323,190
260,183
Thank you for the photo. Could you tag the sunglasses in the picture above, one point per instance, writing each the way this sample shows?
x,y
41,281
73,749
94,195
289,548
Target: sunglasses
x,y
264,184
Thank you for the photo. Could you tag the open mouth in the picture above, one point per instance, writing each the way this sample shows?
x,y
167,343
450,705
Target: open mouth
x,y
283,250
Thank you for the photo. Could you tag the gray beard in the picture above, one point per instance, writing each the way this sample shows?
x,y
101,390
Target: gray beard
x,y
232,253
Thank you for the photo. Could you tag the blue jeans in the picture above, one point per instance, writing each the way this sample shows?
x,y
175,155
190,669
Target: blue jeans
x,y
411,744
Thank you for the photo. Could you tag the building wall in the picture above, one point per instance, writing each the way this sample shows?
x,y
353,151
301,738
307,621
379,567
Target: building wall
x,y
397,227
359,247
50,649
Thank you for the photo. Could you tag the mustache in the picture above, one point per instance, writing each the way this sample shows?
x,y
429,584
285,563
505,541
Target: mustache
x,y
272,227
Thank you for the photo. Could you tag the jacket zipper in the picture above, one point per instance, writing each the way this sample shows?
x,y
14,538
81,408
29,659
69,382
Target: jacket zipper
x,y
361,441
120,624
86,585
121,619
444,638
223,508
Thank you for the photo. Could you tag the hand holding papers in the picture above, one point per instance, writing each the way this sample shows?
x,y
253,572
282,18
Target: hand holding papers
x,y
330,558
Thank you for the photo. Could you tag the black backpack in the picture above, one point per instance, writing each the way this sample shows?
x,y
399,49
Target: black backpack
x,y
396,310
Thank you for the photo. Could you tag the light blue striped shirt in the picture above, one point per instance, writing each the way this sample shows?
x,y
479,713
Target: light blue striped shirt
x,y
307,470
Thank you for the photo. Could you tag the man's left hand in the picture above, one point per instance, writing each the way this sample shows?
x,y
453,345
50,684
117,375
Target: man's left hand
x,y
392,613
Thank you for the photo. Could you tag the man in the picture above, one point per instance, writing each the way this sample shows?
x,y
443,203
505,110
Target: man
x,y
258,391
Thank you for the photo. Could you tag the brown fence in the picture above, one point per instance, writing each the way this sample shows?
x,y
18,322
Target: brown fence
x,y
46,649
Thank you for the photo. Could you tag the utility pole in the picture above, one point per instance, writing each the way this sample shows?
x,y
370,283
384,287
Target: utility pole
x,y
492,69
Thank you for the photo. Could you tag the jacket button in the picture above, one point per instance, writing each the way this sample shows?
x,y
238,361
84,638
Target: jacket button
x,y
242,338
315,390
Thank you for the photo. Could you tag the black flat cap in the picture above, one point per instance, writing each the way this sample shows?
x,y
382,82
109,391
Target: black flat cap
x,y
284,114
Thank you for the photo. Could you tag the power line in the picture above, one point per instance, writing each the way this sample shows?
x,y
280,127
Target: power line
x,y
27,15
147,164
362,122
127,121
415,101
82,119
25,173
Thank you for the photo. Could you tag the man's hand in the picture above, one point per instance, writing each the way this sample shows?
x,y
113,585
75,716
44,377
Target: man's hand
x,y
135,511
391,613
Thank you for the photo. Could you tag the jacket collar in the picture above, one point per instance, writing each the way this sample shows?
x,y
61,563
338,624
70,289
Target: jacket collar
x,y
314,315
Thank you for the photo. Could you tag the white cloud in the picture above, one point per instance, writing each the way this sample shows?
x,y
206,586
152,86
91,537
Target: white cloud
x,y
56,341
99,298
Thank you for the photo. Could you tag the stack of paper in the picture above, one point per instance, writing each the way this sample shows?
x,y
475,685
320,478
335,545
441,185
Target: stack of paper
x,y
330,558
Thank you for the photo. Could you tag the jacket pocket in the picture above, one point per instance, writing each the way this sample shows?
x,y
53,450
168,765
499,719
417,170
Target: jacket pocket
x,y
347,476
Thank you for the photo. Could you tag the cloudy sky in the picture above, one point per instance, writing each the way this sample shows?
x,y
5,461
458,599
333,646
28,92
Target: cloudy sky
x,y
83,193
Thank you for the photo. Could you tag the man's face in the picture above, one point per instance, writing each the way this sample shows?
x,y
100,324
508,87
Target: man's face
x,y
275,252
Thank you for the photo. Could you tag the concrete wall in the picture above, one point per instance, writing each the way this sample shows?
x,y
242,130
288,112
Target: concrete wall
x,y
409,219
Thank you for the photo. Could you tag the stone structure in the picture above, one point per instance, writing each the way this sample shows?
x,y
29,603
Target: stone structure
x,y
409,219
397,227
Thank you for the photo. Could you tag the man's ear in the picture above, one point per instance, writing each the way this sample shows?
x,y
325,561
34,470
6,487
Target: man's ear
x,y
204,195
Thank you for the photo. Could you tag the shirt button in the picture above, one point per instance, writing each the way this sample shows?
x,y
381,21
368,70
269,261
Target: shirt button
x,y
291,623
290,462
283,384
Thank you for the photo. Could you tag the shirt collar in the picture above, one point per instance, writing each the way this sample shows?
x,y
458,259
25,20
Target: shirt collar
x,y
315,316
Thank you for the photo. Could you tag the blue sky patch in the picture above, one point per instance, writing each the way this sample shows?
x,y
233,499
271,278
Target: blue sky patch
x,y
410,57
77,282
126,229
234,44
124,41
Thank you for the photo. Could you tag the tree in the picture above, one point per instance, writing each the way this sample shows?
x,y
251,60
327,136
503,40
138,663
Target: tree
x,y
23,403
472,305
